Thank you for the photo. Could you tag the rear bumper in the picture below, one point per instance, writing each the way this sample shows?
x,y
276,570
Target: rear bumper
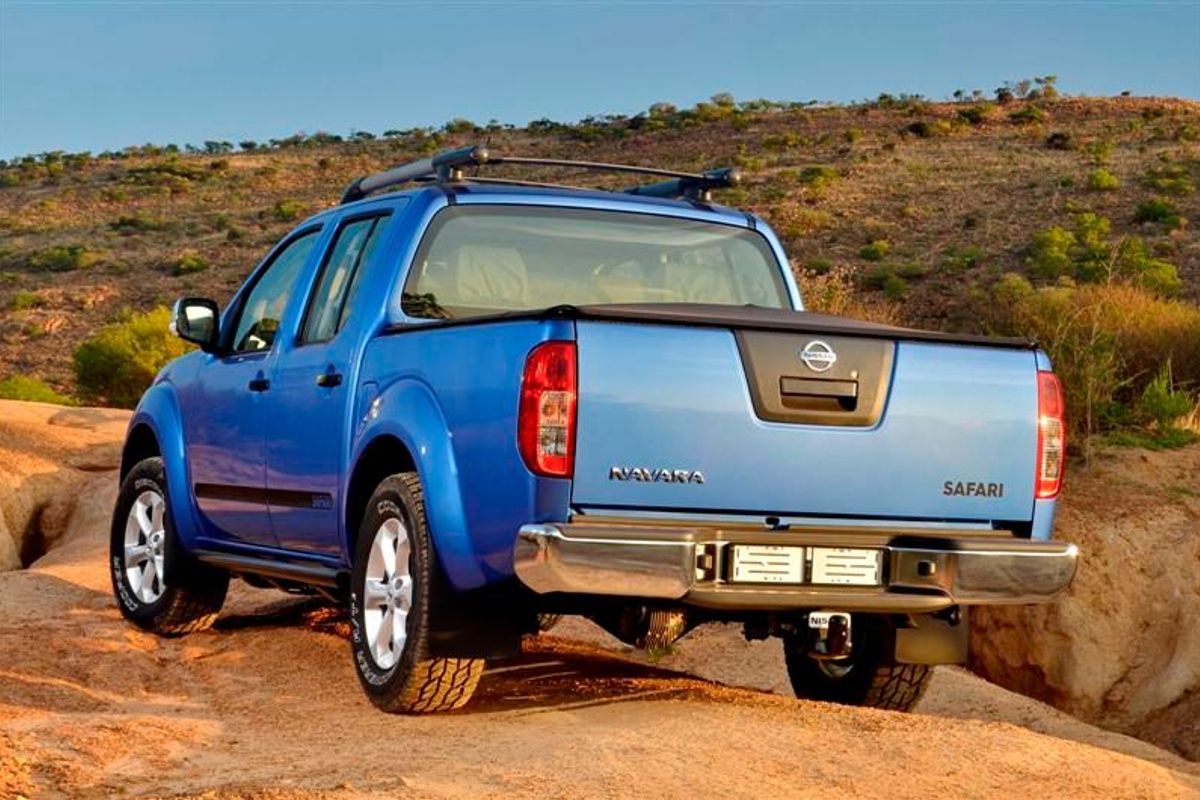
x,y
919,570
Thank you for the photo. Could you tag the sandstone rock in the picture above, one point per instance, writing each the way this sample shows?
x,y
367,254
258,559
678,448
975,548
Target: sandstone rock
x,y
1122,647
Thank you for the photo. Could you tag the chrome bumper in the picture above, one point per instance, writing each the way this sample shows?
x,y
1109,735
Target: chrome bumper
x,y
922,570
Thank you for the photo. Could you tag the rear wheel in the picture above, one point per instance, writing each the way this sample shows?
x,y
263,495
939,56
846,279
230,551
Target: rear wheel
x,y
158,585
393,588
870,676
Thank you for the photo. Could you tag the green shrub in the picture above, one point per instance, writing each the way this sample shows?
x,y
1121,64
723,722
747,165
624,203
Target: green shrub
x,y
1029,115
1173,179
975,115
819,176
782,141
1165,439
1100,151
1135,262
894,287
25,300
136,223
890,280
875,251
959,258
460,125
923,129
63,258
793,221
1162,403
1086,254
1101,180
187,263
117,364
32,390
1158,209
1050,255
173,174
287,210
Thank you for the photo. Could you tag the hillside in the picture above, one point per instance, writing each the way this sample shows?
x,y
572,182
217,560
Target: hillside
x,y
924,205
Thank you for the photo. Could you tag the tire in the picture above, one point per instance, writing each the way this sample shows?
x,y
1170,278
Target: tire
x,y
157,584
547,621
869,677
393,663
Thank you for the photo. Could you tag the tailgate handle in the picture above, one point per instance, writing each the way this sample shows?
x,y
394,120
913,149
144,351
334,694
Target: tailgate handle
x,y
819,393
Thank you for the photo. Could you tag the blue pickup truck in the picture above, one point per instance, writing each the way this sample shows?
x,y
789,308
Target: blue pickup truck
x,y
464,406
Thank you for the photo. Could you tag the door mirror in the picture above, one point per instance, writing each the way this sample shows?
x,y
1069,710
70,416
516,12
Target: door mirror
x,y
196,320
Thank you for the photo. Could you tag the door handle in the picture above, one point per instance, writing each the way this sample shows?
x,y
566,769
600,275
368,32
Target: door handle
x,y
260,384
329,378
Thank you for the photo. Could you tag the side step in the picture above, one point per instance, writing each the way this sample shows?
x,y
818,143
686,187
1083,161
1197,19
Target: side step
x,y
311,574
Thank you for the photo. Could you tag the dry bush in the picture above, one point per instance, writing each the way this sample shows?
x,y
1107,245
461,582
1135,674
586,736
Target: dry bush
x,y
1107,342
833,292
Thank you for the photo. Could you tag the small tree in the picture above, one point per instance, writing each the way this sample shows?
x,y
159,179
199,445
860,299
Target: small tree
x,y
1047,85
117,364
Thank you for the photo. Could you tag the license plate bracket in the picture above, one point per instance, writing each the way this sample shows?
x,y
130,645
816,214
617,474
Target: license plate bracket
x,y
771,564
845,566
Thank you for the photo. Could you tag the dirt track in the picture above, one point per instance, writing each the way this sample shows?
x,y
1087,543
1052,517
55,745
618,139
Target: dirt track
x,y
92,708
267,705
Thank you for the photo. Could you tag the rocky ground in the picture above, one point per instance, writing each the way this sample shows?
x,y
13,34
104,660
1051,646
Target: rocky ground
x,y
266,705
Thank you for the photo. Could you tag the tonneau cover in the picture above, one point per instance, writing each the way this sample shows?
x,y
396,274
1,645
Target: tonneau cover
x,y
746,318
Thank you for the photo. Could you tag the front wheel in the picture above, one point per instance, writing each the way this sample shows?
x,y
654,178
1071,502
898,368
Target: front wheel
x,y
158,585
870,676
393,588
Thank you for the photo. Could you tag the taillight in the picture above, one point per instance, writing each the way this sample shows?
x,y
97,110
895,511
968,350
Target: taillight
x,y
1052,436
546,418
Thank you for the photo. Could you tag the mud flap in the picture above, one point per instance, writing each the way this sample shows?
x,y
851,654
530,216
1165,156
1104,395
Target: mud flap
x,y
927,639
486,623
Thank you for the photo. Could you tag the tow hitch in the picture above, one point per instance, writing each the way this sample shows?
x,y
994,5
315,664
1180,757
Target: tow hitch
x,y
829,634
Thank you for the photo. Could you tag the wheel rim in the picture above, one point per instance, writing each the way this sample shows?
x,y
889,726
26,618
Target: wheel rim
x,y
387,593
145,546
836,669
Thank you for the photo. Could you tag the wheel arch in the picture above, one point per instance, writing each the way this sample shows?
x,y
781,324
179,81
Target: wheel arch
x,y
408,432
157,430
383,456
140,443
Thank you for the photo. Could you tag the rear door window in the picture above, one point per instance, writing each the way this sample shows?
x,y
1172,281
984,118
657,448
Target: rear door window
x,y
331,301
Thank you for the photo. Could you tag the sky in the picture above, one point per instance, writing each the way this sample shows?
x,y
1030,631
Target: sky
x,y
79,75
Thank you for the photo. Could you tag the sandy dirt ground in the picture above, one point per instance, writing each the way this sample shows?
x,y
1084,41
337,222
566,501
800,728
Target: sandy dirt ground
x,y
266,705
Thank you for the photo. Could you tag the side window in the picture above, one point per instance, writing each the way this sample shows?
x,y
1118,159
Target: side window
x,y
258,321
330,303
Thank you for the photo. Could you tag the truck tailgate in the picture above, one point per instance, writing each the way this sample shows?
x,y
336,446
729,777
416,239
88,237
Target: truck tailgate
x,y
753,420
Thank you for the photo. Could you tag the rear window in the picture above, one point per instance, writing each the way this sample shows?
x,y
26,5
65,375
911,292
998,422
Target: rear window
x,y
477,260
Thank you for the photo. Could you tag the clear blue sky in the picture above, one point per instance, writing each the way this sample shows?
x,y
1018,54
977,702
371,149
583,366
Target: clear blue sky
x,y
94,76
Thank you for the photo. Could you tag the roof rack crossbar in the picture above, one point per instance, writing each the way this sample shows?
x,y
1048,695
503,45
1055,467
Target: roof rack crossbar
x,y
448,165
445,166
598,166
694,187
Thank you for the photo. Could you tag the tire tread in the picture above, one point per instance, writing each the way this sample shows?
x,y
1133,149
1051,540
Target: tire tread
x,y
195,592
434,684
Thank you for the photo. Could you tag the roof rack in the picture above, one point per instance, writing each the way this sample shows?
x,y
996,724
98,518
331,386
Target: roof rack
x,y
448,165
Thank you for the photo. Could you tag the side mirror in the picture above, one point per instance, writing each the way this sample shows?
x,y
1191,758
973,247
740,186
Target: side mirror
x,y
197,320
